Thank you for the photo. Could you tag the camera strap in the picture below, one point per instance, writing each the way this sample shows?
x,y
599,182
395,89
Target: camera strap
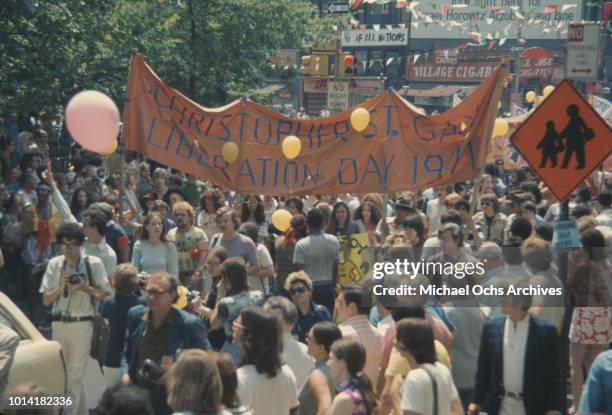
x,y
88,272
67,312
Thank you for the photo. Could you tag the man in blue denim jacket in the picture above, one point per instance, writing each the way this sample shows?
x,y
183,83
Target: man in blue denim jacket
x,y
157,333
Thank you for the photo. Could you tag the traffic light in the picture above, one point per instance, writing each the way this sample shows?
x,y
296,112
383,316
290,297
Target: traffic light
x,y
315,65
348,65
323,63
308,63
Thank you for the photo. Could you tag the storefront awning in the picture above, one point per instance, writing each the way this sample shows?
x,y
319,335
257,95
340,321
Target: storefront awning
x,y
438,91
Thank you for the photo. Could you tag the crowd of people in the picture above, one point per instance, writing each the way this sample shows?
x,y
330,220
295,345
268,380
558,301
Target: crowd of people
x,y
212,310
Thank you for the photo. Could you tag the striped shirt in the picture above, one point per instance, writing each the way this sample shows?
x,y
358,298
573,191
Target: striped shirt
x,y
358,328
317,252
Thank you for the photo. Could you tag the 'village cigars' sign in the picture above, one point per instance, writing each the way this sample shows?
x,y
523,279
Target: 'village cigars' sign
x,y
454,72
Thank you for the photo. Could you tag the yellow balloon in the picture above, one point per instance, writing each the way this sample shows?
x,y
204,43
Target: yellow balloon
x,y
112,148
538,100
530,96
360,119
501,127
292,147
181,301
230,152
548,90
281,219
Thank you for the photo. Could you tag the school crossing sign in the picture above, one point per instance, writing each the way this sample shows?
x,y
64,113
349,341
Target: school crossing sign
x,y
564,140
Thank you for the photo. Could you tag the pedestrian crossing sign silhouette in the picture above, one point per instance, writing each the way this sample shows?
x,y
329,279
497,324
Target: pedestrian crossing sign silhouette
x,y
563,140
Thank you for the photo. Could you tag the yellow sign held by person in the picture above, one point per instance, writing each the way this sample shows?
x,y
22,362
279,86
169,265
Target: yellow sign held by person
x,y
355,267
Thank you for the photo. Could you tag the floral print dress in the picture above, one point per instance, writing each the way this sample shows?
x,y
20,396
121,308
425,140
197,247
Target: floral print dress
x,y
591,320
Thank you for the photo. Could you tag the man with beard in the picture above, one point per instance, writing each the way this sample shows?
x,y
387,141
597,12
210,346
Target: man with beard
x,y
191,245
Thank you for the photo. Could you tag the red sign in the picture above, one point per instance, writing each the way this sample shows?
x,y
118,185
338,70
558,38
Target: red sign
x,y
537,63
576,33
460,72
446,56
564,140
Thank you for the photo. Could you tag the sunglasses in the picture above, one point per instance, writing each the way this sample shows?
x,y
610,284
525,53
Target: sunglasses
x,y
300,290
485,203
211,263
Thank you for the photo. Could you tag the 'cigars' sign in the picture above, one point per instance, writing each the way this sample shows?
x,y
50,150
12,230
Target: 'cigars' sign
x,y
458,72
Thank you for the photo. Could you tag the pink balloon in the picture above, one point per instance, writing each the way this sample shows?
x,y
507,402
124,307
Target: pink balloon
x,y
92,119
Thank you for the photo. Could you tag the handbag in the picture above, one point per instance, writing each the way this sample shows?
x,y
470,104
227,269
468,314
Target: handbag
x,y
589,134
101,330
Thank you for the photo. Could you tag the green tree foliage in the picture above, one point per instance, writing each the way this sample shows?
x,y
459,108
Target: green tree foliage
x,y
211,50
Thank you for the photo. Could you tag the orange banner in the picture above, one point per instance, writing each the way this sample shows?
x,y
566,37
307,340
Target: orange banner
x,y
400,150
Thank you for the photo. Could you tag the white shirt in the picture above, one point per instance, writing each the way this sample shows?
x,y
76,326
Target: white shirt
x,y
514,348
295,355
74,303
269,210
267,396
103,251
384,324
417,390
435,210
265,260
605,218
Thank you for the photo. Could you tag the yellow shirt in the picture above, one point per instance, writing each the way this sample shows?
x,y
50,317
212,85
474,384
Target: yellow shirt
x,y
399,365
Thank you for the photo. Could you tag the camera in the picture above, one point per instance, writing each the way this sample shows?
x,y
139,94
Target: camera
x,y
75,278
151,371
192,295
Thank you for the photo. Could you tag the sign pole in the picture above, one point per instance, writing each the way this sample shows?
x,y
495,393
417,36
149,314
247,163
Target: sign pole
x,y
121,144
562,264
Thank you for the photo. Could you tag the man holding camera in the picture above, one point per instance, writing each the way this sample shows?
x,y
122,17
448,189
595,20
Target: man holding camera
x,y
156,334
71,284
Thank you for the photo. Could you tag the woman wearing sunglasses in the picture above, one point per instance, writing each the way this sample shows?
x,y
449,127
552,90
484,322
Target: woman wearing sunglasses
x,y
299,287
490,220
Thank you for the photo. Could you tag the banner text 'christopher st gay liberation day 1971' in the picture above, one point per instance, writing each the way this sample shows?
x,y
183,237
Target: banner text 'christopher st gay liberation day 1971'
x,y
400,150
